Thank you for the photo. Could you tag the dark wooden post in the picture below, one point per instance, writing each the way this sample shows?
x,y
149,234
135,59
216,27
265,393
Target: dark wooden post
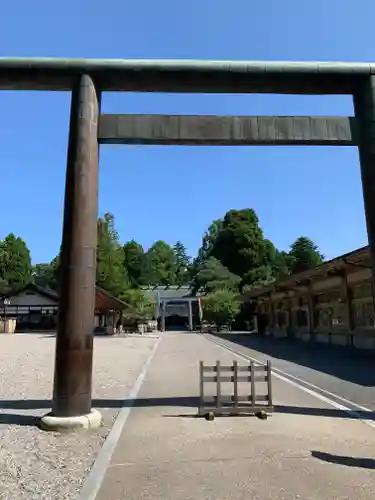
x,y
347,298
74,343
364,106
162,322
310,308
190,308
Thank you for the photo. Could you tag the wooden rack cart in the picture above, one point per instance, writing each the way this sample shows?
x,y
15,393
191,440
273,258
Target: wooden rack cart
x,y
247,396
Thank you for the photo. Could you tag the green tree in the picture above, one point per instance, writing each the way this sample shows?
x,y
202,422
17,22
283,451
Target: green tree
x,y
209,240
182,264
47,275
240,244
161,264
261,275
304,254
213,276
282,264
4,286
266,270
15,265
134,261
42,275
141,307
275,266
110,271
221,307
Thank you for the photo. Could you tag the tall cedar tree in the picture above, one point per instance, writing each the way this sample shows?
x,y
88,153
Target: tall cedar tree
x,y
110,271
304,254
240,245
182,264
135,262
161,264
15,265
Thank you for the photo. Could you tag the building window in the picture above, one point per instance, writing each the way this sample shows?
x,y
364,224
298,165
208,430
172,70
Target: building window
x,y
338,311
302,318
320,298
281,319
322,317
363,314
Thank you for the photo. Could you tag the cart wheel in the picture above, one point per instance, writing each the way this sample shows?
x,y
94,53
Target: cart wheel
x,y
262,415
209,416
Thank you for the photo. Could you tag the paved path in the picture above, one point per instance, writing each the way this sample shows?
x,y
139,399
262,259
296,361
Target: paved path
x,y
344,372
312,452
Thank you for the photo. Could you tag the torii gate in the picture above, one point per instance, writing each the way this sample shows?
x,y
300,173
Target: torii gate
x,y
86,79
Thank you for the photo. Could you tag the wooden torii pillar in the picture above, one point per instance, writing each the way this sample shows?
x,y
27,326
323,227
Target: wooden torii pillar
x,y
71,404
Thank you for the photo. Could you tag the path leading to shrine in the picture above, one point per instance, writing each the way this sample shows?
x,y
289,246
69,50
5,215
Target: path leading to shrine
x,y
308,449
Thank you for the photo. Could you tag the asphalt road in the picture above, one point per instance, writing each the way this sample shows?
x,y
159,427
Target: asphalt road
x,y
334,372
307,450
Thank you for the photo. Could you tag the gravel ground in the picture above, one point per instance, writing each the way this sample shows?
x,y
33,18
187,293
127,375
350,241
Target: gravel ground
x,y
40,465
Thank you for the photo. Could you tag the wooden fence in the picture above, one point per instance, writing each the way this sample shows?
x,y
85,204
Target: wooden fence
x,y
245,396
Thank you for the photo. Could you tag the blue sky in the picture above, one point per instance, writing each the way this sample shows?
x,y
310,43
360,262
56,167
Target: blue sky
x,y
173,193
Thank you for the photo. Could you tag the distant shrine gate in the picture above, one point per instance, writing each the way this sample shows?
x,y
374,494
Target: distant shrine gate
x,y
88,128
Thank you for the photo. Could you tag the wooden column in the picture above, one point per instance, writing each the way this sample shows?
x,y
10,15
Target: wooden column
x,y
190,316
311,312
74,342
121,320
364,106
347,297
162,322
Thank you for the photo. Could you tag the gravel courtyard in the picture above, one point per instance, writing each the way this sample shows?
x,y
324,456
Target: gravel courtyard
x,y
36,464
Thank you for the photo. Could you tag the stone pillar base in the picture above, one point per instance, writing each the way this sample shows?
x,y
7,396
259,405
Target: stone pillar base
x,y
90,421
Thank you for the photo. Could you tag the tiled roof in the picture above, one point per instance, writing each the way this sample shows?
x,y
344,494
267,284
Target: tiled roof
x,y
168,292
359,257
103,300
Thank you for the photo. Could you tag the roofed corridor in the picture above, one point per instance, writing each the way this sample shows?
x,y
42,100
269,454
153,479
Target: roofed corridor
x,y
332,303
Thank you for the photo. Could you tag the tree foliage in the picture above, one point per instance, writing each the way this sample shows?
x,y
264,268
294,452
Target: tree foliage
x,y
47,275
282,266
239,244
221,307
212,276
183,269
234,256
209,240
111,273
141,307
135,262
15,265
304,254
160,264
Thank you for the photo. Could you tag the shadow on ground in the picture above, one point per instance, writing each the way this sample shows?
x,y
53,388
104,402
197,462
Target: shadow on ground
x,y
363,463
345,363
177,402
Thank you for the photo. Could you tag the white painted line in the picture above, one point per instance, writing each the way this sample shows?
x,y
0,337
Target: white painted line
x,y
320,389
304,382
313,386
94,480
285,377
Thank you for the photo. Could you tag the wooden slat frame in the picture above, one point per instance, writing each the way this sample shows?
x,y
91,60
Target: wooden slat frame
x,y
231,378
227,130
231,368
236,403
237,399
